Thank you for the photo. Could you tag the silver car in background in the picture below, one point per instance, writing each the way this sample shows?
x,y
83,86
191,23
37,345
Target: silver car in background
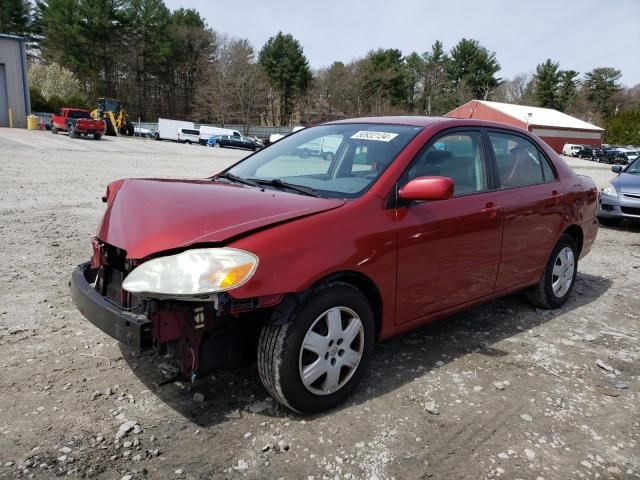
x,y
621,200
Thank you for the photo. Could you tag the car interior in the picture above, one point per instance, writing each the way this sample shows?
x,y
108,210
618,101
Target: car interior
x,y
457,157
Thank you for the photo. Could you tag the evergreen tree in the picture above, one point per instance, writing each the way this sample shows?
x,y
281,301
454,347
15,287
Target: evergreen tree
x,y
567,89
547,83
472,64
602,84
288,70
435,77
15,17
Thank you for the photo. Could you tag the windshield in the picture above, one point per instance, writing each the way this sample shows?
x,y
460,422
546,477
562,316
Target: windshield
x,y
78,114
634,167
334,160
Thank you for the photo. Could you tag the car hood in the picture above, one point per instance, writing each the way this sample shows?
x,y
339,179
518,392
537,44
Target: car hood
x,y
627,183
146,216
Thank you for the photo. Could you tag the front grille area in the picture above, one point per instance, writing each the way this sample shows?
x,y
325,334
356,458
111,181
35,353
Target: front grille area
x,y
111,275
630,210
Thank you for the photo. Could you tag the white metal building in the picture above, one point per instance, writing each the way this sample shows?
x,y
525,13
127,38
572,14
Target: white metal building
x,y
14,88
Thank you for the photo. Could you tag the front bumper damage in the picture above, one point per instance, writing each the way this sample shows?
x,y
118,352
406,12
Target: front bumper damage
x,y
199,336
132,329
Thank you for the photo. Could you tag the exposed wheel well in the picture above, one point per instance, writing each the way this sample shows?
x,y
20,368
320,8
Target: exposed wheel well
x,y
575,232
366,286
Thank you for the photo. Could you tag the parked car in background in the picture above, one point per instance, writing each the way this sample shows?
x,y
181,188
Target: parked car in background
x,y
257,140
206,132
325,147
188,136
621,200
232,141
143,132
77,122
626,155
571,149
608,154
588,152
304,265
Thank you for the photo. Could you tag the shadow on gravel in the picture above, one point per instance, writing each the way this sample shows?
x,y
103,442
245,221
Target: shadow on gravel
x,y
630,226
231,394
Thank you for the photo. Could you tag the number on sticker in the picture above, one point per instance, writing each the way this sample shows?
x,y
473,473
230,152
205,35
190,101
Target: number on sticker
x,y
376,136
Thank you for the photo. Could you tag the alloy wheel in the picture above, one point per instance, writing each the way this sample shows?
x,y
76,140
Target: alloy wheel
x,y
563,272
331,351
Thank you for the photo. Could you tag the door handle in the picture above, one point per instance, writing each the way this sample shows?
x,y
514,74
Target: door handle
x,y
491,210
555,197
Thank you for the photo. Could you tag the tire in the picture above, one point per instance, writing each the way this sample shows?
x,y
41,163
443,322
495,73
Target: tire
x,y
282,357
97,136
561,265
54,130
72,131
188,142
328,156
610,222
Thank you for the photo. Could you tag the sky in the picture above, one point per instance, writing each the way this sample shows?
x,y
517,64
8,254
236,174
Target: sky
x,y
580,34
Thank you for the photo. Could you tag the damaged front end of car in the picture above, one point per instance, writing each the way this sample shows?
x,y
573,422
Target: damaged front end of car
x,y
175,305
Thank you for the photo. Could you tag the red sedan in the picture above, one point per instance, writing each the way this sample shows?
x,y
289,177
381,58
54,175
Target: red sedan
x,y
304,263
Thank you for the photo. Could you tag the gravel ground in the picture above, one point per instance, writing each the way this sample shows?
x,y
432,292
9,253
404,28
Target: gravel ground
x,y
501,390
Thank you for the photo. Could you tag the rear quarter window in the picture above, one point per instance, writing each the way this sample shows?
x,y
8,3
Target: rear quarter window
x,y
520,162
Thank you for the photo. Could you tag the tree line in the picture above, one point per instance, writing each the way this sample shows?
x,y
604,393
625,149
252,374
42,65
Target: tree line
x,y
164,63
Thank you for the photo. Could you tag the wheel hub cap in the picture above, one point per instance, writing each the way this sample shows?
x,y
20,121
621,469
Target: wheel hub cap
x,y
331,350
563,272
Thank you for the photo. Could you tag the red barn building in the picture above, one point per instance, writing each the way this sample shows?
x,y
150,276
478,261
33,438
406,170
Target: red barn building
x,y
554,127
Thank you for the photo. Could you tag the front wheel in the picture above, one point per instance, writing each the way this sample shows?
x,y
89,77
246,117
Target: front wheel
x,y
559,276
72,131
97,136
317,359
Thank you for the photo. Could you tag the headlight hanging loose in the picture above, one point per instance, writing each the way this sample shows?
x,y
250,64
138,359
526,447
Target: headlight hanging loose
x,y
192,273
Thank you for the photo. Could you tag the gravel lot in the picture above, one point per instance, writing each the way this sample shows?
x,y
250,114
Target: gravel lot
x,y
501,390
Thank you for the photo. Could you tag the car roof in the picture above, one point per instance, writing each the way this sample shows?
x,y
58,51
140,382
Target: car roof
x,y
422,121
395,120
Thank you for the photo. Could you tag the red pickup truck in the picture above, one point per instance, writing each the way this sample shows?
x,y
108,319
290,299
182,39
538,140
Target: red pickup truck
x,y
77,122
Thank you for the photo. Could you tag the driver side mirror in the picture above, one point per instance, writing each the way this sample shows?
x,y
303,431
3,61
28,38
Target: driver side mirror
x,y
427,188
616,168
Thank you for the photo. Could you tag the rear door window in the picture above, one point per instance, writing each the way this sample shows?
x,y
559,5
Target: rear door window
x,y
519,161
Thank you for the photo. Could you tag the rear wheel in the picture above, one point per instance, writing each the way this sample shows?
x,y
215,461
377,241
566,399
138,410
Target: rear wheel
x,y
97,136
54,129
317,359
610,222
559,276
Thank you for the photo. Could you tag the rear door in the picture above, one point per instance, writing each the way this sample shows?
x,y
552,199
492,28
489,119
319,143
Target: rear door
x,y
449,251
530,194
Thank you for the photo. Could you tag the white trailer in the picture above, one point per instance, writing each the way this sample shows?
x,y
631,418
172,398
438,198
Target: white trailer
x,y
207,132
169,129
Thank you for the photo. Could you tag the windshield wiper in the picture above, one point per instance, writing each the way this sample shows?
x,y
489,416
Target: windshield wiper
x,y
235,179
277,183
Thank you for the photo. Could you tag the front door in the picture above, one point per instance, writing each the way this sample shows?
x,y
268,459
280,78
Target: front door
x,y
449,250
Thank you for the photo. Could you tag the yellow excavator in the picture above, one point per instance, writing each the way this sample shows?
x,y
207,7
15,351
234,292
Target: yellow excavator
x,y
110,110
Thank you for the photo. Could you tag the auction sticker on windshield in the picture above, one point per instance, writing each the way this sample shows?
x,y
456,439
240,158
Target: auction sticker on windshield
x,y
377,136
